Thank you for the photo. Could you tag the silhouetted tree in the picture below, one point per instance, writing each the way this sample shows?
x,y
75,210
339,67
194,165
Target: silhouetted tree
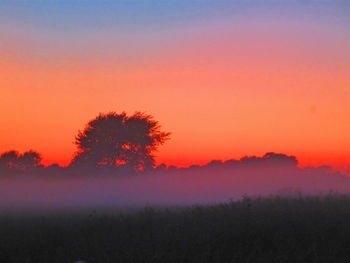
x,y
118,140
9,159
281,159
272,159
29,159
13,160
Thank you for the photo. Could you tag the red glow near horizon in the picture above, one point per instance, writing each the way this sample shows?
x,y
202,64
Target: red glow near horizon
x,y
223,92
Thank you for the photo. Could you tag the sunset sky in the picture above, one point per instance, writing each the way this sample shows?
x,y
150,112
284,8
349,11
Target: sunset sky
x,y
227,78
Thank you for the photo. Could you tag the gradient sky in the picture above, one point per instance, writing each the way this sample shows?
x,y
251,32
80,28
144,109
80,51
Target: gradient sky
x,y
227,78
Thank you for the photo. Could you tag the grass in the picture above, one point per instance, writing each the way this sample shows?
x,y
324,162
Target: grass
x,y
271,229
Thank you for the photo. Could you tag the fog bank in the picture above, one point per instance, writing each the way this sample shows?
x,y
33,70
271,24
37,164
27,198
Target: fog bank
x,y
215,182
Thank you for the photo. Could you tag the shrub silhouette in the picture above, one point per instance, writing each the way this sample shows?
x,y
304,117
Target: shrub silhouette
x,y
15,161
118,140
29,159
9,159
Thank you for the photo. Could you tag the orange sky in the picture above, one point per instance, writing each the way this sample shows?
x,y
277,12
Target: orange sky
x,y
222,91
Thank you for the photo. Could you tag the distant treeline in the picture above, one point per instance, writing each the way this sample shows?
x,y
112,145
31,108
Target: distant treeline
x,y
119,144
110,141
14,163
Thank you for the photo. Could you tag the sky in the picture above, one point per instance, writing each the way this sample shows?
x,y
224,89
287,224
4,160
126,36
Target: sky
x,y
227,78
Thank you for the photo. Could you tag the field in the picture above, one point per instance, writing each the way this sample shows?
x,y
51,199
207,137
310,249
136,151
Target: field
x,y
271,229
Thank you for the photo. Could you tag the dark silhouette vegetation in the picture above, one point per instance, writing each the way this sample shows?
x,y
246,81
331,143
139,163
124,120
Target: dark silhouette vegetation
x,y
271,229
13,161
120,144
110,143
29,163
119,141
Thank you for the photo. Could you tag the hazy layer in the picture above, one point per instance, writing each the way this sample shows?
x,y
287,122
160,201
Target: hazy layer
x,y
215,182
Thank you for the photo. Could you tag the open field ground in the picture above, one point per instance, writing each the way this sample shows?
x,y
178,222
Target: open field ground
x,y
270,229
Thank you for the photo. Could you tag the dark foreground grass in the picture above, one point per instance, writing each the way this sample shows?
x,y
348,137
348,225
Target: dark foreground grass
x,y
308,229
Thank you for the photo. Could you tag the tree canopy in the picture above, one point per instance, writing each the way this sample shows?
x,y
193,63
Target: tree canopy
x,y
116,140
16,161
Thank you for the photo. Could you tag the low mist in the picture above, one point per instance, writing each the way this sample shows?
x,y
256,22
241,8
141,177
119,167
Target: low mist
x,y
167,186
